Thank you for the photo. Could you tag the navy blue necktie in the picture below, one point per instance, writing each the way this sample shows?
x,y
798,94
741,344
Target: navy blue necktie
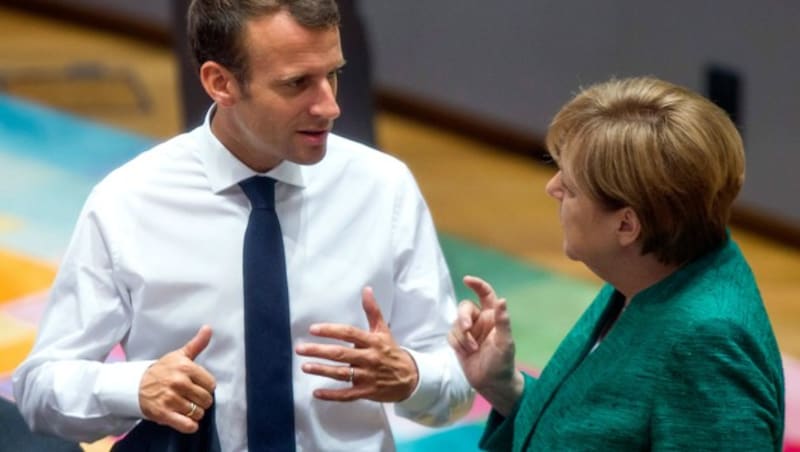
x,y
268,341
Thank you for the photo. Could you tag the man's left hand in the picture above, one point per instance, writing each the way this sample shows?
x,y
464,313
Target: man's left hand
x,y
376,366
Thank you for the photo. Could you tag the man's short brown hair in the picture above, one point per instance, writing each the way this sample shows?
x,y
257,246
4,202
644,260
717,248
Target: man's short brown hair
x,y
216,27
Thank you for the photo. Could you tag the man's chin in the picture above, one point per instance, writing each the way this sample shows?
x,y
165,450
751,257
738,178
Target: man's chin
x,y
311,157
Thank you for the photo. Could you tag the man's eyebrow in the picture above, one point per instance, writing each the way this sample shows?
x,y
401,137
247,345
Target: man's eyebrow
x,y
300,74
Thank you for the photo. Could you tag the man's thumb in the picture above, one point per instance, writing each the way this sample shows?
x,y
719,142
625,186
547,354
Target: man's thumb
x,y
372,310
198,343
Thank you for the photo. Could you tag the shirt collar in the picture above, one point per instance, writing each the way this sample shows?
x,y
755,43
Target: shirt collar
x,y
224,170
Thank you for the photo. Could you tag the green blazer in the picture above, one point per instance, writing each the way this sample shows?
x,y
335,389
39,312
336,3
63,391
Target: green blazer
x,y
690,364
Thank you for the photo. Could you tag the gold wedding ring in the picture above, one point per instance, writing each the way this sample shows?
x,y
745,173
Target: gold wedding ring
x,y
192,410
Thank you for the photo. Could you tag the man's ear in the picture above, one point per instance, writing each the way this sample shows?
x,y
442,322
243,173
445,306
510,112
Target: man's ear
x,y
629,228
220,84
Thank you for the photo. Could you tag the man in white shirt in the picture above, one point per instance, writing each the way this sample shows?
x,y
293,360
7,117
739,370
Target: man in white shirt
x,y
155,262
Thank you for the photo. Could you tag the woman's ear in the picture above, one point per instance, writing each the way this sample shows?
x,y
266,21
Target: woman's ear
x,y
220,84
630,229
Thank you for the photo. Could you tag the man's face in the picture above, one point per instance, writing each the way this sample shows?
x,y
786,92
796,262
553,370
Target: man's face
x,y
286,108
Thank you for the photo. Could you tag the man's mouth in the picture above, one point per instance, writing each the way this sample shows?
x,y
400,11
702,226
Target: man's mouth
x,y
315,130
314,133
314,136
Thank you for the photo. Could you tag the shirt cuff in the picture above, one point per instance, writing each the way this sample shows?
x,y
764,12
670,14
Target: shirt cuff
x,y
429,380
118,387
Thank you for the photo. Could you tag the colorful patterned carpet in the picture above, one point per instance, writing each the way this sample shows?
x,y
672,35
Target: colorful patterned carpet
x,y
48,163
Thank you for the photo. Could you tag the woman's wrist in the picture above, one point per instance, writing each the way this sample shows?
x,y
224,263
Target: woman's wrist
x,y
504,395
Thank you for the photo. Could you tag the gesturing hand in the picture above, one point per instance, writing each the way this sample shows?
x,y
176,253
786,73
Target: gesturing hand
x,y
377,367
175,391
481,338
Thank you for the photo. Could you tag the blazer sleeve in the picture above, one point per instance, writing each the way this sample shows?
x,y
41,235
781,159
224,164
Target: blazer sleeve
x,y
719,393
500,431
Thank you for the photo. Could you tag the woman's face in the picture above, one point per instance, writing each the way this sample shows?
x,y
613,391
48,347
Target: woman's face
x,y
590,230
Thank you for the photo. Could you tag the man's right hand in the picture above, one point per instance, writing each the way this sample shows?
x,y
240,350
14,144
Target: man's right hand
x,y
174,390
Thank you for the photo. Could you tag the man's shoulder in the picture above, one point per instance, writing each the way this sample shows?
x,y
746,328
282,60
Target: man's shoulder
x,y
165,156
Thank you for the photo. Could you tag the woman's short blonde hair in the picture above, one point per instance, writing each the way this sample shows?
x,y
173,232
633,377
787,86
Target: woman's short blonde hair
x,y
670,154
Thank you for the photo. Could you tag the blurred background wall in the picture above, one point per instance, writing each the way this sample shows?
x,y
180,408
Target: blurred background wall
x,y
514,62
508,65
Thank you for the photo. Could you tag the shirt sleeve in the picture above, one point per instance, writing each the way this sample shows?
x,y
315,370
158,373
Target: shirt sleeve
x,y
718,394
423,312
64,387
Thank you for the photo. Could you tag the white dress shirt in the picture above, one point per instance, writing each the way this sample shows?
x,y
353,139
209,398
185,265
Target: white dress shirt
x,y
157,252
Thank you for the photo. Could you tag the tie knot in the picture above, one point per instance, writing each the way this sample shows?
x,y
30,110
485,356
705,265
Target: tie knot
x,y
260,190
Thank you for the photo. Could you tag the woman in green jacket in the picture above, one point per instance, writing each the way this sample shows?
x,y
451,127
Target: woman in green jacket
x,y
676,352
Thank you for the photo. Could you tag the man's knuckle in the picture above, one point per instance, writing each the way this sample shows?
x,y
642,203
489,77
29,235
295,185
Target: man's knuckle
x,y
185,366
372,358
175,381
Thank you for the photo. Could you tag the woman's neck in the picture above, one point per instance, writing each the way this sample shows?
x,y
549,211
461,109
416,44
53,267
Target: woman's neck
x,y
633,274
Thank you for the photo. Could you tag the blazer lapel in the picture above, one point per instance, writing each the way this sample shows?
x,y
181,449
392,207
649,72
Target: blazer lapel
x,y
570,353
